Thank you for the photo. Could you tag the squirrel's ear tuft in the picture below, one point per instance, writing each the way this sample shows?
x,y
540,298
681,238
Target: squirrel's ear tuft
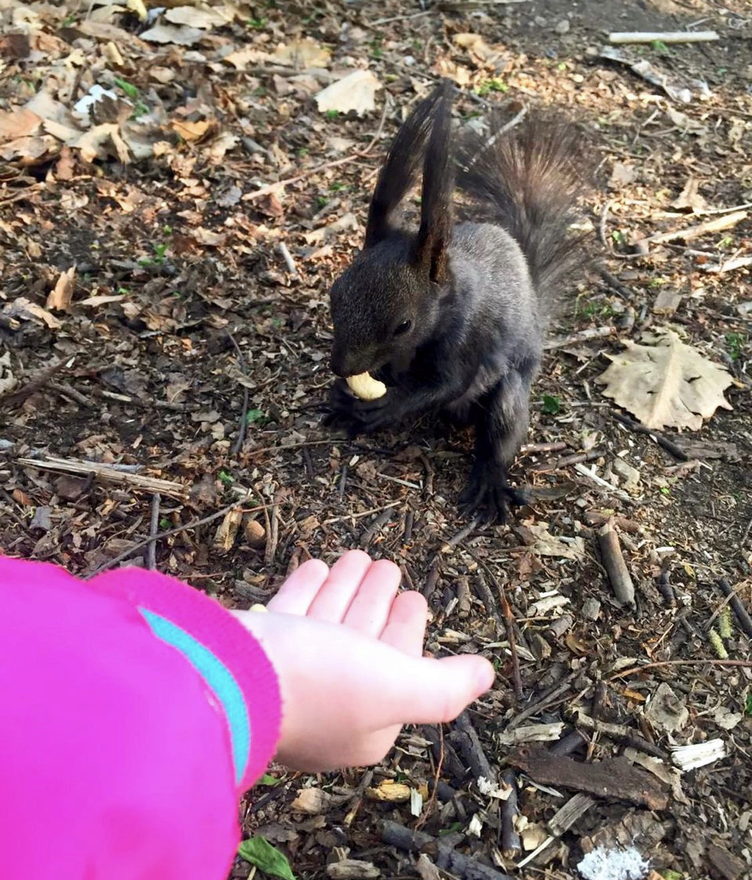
x,y
400,170
438,188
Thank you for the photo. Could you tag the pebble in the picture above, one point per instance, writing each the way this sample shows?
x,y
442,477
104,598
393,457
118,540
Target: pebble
x,y
562,27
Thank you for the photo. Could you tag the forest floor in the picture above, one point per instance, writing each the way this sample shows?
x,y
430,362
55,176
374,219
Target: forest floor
x,y
164,313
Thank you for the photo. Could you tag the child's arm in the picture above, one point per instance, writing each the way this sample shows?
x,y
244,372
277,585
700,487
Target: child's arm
x,y
122,754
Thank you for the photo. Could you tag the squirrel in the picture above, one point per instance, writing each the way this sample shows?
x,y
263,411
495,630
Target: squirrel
x,y
452,316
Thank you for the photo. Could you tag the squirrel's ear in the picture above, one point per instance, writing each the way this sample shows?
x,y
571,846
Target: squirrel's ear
x,y
399,171
438,187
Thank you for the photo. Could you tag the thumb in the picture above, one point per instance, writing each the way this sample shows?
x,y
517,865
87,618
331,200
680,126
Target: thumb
x,y
436,691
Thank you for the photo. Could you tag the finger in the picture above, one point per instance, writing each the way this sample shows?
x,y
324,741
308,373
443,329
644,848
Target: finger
x,y
436,691
369,610
336,594
300,589
406,627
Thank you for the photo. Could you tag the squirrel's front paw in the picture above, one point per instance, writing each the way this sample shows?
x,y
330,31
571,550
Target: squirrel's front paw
x,y
489,496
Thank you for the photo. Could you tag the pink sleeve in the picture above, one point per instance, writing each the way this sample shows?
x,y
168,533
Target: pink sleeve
x,y
133,711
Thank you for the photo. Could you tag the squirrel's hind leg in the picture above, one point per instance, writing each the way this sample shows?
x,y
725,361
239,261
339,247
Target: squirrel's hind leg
x,y
501,423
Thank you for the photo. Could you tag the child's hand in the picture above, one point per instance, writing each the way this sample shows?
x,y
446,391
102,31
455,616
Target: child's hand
x,y
348,653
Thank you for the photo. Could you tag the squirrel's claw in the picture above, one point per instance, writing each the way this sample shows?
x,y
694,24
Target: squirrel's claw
x,y
488,496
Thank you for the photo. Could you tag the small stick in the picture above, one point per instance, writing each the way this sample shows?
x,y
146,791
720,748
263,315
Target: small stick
x,y
243,426
532,448
616,568
273,531
151,547
287,257
36,382
511,845
604,484
619,732
69,391
666,590
727,266
550,695
667,37
375,527
614,284
460,536
725,221
433,577
193,524
623,673
576,338
446,858
510,623
106,473
742,615
667,444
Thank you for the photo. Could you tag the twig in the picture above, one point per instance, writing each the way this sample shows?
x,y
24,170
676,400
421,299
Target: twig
x,y
667,37
725,221
358,154
726,266
336,519
619,732
742,615
243,426
272,531
151,547
532,448
550,695
602,233
36,382
623,673
509,621
604,484
375,527
70,392
576,338
443,854
511,845
460,536
614,284
106,473
660,439
433,577
287,257
193,524
392,18
616,568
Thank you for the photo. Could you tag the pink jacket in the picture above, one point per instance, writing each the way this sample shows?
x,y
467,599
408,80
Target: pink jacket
x,y
134,711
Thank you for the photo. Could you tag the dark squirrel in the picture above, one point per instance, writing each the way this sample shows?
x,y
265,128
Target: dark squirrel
x,y
452,316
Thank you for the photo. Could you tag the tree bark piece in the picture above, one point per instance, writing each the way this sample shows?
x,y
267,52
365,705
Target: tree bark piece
x,y
611,778
616,568
442,854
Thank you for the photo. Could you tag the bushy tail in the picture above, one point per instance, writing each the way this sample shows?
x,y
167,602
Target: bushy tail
x,y
527,180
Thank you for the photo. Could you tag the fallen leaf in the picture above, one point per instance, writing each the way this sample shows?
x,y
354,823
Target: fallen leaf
x,y
478,48
311,801
355,92
191,131
690,198
99,142
390,791
666,383
199,18
18,123
258,851
622,174
168,33
224,539
61,295
7,380
546,544
302,54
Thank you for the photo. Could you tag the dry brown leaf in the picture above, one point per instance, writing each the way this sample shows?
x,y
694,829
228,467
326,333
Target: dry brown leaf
x,y
311,801
100,141
30,150
478,48
356,91
546,544
61,295
200,18
666,383
227,531
302,54
18,123
191,131
169,33
690,198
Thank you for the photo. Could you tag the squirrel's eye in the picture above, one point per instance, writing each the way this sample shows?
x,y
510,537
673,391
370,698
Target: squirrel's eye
x,y
403,328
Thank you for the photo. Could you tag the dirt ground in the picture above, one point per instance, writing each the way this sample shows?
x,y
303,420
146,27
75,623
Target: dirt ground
x,y
185,349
